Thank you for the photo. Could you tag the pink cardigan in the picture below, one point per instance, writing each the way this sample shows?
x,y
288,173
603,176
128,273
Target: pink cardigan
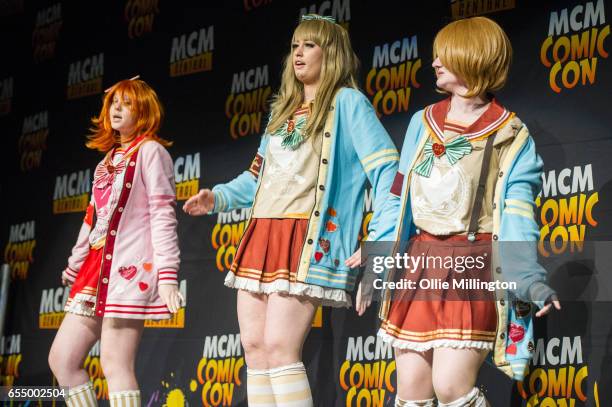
x,y
141,235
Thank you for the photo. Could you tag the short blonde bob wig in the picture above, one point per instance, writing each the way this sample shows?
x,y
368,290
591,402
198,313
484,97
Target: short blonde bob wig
x,y
476,50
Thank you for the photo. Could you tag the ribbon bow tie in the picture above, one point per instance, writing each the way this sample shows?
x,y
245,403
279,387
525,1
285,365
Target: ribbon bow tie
x,y
105,174
454,151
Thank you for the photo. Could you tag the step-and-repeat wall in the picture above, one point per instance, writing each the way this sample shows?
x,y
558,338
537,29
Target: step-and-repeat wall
x,y
215,67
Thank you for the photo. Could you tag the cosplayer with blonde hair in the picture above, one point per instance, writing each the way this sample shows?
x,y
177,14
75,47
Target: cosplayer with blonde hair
x,y
468,175
123,268
306,189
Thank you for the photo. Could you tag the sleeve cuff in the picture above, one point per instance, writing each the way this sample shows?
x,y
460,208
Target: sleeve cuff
x,y
220,201
167,277
539,292
69,274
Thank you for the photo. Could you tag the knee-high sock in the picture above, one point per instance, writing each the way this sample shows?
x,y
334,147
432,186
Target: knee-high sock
x,y
290,386
127,398
81,396
414,403
259,388
474,398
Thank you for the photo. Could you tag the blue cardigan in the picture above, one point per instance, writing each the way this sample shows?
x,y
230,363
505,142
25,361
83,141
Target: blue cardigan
x,y
355,148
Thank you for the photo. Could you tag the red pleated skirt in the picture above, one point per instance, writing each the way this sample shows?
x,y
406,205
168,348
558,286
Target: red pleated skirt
x,y
422,319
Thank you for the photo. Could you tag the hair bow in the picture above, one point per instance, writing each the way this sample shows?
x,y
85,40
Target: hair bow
x,y
310,17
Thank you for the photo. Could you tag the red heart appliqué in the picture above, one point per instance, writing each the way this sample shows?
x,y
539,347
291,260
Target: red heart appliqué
x,y
143,286
511,350
438,149
127,272
517,332
318,256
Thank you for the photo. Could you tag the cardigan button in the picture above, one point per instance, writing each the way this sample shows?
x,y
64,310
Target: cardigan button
x,y
327,134
113,232
128,185
501,174
495,237
502,336
109,256
324,161
309,241
494,205
317,213
331,108
322,187
132,163
120,209
498,269
105,280
502,302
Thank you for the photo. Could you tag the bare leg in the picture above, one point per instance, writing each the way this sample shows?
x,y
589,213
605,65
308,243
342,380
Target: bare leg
x,y
414,383
252,321
118,348
288,321
73,341
455,372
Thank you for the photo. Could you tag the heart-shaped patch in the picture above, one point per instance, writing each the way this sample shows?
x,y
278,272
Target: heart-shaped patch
x,y
511,350
127,272
143,286
438,149
318,256
517,332
324,243
331,226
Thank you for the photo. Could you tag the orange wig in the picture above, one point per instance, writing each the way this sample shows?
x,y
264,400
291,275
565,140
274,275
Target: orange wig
x,y
145,105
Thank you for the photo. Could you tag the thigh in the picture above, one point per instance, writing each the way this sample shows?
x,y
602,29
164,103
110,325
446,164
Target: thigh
x,y
251,316
414,381
457,368
288,320
75,338
120,339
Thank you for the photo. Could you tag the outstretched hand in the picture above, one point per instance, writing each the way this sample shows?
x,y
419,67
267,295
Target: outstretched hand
x,y
201,203
548,307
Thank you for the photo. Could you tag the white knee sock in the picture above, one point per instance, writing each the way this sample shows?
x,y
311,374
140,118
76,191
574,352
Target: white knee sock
x,y
127,398
290,386
259,388
474,398
81,396
414,403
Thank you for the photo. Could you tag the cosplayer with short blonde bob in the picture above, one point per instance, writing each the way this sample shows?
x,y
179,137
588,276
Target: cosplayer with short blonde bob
x,y
140,98
476,50
338,69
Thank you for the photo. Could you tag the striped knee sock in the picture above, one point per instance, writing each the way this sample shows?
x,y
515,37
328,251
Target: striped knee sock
x,y
474,398
259,388
290,386
127,398
414,403
81,396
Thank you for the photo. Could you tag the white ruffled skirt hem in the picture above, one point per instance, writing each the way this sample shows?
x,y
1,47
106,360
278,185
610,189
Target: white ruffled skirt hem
x,y
436,343
81,305
331,297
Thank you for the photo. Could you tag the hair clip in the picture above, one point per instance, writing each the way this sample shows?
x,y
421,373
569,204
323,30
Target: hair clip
x,y
131,79
310,17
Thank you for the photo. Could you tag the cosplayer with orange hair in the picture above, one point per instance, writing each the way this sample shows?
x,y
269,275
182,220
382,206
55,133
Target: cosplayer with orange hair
x,y
123,268
468,176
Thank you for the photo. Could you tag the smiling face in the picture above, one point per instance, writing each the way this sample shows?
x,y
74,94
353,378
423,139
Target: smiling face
x,y
448,81
307,61
122,117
